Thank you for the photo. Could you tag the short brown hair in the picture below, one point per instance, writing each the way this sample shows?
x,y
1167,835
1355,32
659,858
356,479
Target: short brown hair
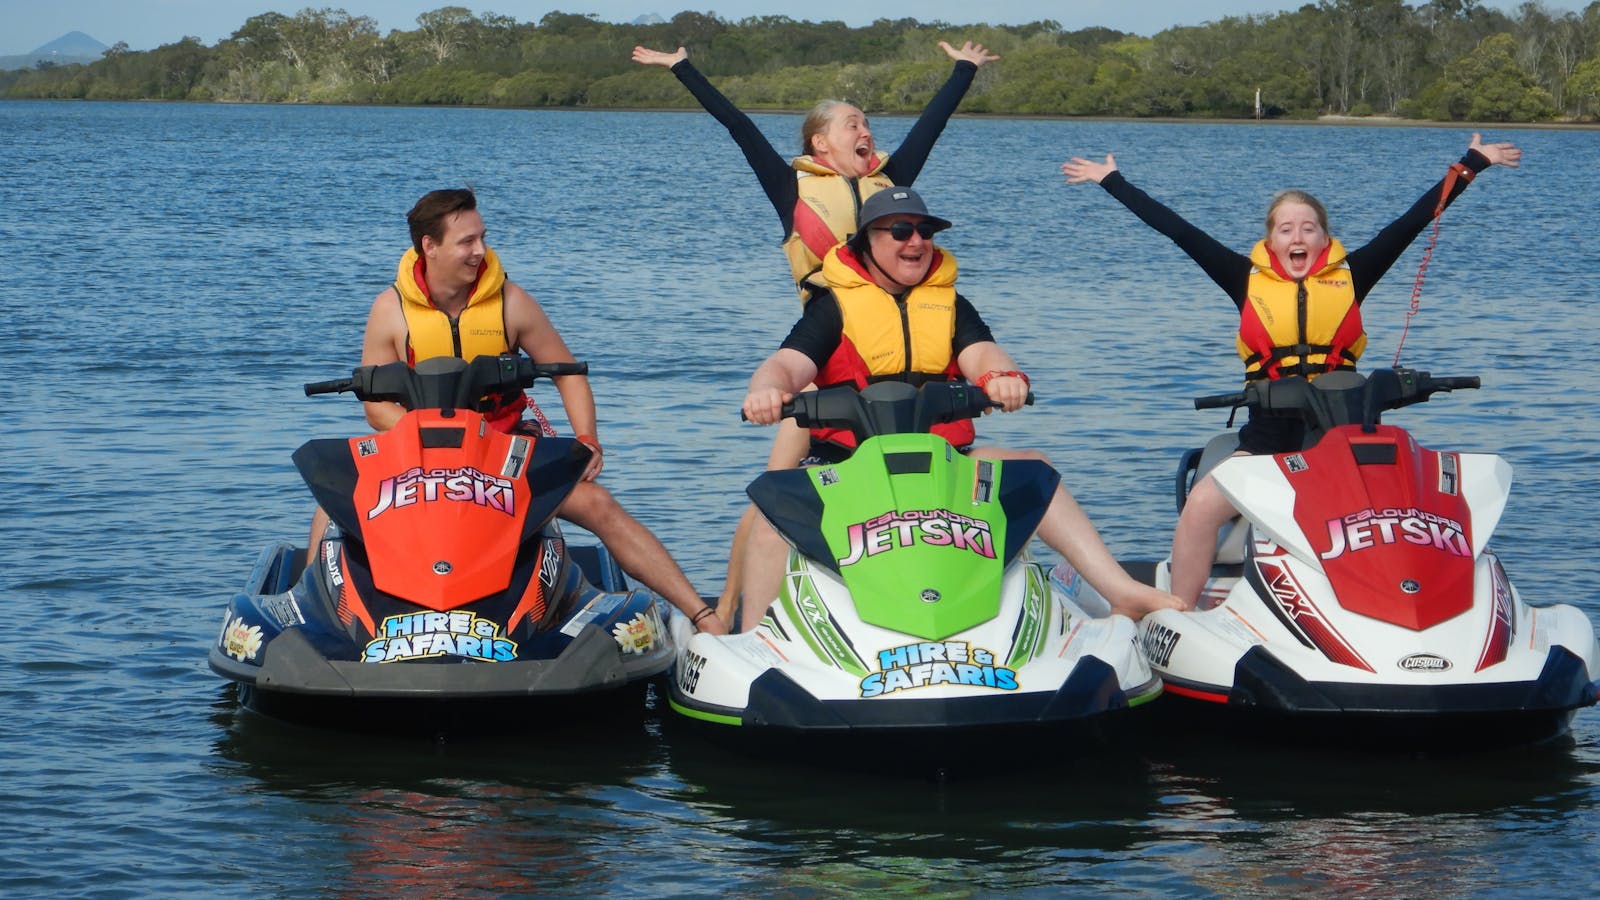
x,y
427,217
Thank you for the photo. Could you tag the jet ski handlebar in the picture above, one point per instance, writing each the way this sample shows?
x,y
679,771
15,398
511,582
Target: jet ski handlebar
x,y
889,407
1339,398
445,382
1215,401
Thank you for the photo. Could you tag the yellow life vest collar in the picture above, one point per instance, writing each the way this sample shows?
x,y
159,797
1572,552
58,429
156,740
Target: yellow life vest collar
x,y
410,281
843,269
808,164
1267,262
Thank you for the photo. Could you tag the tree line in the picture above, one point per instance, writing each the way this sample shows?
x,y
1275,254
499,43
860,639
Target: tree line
x,y
1441,60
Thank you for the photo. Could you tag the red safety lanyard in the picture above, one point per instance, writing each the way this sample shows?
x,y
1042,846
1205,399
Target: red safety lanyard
x,y
1457,171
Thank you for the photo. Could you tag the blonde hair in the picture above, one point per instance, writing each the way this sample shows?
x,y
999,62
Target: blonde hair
x,y
1293,195
817,121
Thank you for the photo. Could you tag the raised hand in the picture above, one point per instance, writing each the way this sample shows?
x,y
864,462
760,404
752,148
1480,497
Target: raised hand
x,y
976,54
1078,170
646,56
1501,154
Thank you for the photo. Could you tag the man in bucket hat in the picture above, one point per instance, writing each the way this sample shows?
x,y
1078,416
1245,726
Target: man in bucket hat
x,y
891,311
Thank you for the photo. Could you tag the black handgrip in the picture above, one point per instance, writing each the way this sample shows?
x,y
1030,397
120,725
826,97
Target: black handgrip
x,y
1458,382
556,370
336,386
785,411
1220,401
996,404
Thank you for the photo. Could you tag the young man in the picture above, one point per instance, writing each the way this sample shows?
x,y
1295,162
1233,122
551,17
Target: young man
x,y
452,298
891,311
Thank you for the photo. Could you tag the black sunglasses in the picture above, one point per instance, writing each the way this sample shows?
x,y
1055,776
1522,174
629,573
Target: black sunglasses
x,y
901,231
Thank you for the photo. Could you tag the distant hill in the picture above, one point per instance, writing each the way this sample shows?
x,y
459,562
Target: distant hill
x,y
72,47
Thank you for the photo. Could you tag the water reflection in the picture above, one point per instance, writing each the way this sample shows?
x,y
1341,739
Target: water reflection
x,y
812,826
1205,814
534,813
1345,822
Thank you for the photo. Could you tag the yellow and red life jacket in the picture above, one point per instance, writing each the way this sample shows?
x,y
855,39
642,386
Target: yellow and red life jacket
x,y
825,213
480,330
884,339
1305,327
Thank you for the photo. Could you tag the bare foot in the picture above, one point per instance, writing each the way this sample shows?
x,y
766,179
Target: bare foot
x,y
1137,602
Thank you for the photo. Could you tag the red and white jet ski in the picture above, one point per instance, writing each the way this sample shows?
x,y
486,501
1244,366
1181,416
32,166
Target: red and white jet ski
x,y
1357,589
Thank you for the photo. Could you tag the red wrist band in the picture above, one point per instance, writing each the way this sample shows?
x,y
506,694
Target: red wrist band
x,y
985,378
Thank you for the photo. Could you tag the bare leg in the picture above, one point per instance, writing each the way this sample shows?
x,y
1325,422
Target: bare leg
x,y
728,602
319,525
1194,541
788,448
1068,531
763,570
640,554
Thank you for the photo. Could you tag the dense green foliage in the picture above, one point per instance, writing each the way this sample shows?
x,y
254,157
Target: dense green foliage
x,y
1442,59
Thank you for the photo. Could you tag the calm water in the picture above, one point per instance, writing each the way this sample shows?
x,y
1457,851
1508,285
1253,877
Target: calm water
x,y
175,273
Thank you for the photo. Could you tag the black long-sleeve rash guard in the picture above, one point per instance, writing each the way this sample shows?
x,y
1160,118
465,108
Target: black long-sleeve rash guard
x,y
1231,270
776,175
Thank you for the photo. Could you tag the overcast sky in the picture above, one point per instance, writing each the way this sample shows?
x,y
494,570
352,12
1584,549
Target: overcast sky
x,y
145,24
